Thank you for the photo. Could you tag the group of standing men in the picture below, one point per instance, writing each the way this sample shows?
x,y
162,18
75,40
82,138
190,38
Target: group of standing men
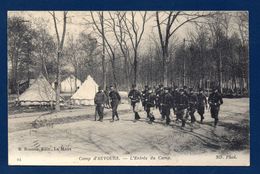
x,y
184,102
102,100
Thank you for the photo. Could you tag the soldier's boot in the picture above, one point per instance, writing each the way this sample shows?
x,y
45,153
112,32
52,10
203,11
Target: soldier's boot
x,y
147,115
163,117
117,117
113,116
201,118
182,123
193,119
215,122
168,120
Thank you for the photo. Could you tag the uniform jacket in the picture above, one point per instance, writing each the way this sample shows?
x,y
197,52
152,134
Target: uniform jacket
x,y
167,100
181,101
202,99
114,96
100,98
193,100
144,95
150,99
134,95
215,99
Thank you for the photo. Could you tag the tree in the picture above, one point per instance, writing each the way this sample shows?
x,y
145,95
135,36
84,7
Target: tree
x,y
170,21
20,48
99,25
60,43
135,34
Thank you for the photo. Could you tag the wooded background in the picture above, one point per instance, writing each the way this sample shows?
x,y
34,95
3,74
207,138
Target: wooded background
x,y
195,49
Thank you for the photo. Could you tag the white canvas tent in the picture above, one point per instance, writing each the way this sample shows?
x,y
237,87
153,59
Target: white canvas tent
x,y
39,93
70,84
86,93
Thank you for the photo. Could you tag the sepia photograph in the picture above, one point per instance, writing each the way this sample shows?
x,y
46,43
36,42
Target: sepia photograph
x,y
128,88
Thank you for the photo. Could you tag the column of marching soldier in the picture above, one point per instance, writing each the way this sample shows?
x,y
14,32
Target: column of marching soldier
x,y
184,102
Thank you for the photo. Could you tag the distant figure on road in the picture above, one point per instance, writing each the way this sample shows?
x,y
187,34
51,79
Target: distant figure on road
x,y
115,99
215,100
135,97
100,100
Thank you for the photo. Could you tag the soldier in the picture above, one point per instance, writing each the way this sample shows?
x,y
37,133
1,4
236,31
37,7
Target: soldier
x,y
166,104
135,96
149,102
193,100
174,94
215,100
115,99
157,91
202,103
181,106
144,95
159,95
100,100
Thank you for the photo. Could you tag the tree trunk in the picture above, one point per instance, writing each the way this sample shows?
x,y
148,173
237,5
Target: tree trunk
x,y
103,52
135,66
57,106
220,71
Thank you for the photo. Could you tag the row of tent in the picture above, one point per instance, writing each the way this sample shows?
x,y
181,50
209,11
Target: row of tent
x,y
41,92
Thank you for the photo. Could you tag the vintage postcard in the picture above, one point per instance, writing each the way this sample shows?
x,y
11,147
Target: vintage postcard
x,y
128,88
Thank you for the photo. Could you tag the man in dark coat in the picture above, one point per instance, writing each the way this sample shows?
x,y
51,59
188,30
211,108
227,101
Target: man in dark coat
x,y
181,105
158,92
192,100
100,100
159,95
166,104
174,94
135,96
115,99
149,102
215,100
144,95
202,103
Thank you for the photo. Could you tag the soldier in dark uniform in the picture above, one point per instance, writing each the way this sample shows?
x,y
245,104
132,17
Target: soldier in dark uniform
x,y
202,103
100,100
181,106
166,105
135,97
192,100
115,99
157,93
215,100
174,94
159,96
149,102
144,95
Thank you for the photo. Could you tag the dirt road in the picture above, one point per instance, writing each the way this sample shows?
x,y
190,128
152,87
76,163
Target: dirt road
x,y
75,133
